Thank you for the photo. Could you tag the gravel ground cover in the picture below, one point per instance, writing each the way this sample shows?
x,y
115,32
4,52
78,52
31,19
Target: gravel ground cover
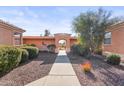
x,y
30,71
102,74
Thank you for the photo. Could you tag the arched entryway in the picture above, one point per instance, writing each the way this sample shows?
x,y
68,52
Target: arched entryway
x,y
62,44
62,37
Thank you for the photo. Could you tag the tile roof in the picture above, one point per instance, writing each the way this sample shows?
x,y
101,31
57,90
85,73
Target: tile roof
x,y
11,25
38,37
116,26
42,37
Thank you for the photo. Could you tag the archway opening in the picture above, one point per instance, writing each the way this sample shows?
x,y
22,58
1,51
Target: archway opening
x,y
62,44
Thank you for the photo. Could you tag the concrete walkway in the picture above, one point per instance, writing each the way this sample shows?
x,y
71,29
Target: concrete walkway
x,y
61,74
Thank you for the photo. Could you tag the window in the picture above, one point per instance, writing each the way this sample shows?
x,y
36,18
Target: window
x,y
107,38
17,39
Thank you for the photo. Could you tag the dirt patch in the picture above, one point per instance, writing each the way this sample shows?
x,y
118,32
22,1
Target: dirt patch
x,y
102,74
30,71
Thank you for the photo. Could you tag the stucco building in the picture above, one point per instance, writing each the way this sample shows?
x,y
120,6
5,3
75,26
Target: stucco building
x,y
114,39
13,35
10,34
40,41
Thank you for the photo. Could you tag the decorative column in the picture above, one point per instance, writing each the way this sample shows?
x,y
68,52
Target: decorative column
x,y
68,44
21,39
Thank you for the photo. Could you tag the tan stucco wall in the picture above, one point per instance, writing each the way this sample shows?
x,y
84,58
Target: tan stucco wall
x,y
73,41
6,36
38,41
117,43
7,33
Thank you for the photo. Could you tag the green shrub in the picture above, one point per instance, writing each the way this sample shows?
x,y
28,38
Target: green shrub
x,y
80,50
24,56
74,49
33,51
24,45
114,59
10,57
83,51
33,45
51,47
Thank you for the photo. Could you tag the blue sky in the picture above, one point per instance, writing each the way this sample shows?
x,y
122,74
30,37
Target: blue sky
x,y
56,19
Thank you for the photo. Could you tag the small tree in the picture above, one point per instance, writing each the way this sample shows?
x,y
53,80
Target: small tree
x,y
91,27
47,33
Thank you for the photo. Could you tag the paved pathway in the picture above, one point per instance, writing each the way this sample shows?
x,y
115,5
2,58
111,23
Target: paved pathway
x,y
61,74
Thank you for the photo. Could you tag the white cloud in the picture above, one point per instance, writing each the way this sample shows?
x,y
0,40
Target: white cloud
x,y
31,13
12,12
35,23
37,27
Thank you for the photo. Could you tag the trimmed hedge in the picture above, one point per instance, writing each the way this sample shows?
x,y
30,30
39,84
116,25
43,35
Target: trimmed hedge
x,y
25,55
10,57
51,48
32,45
33,51
114,59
